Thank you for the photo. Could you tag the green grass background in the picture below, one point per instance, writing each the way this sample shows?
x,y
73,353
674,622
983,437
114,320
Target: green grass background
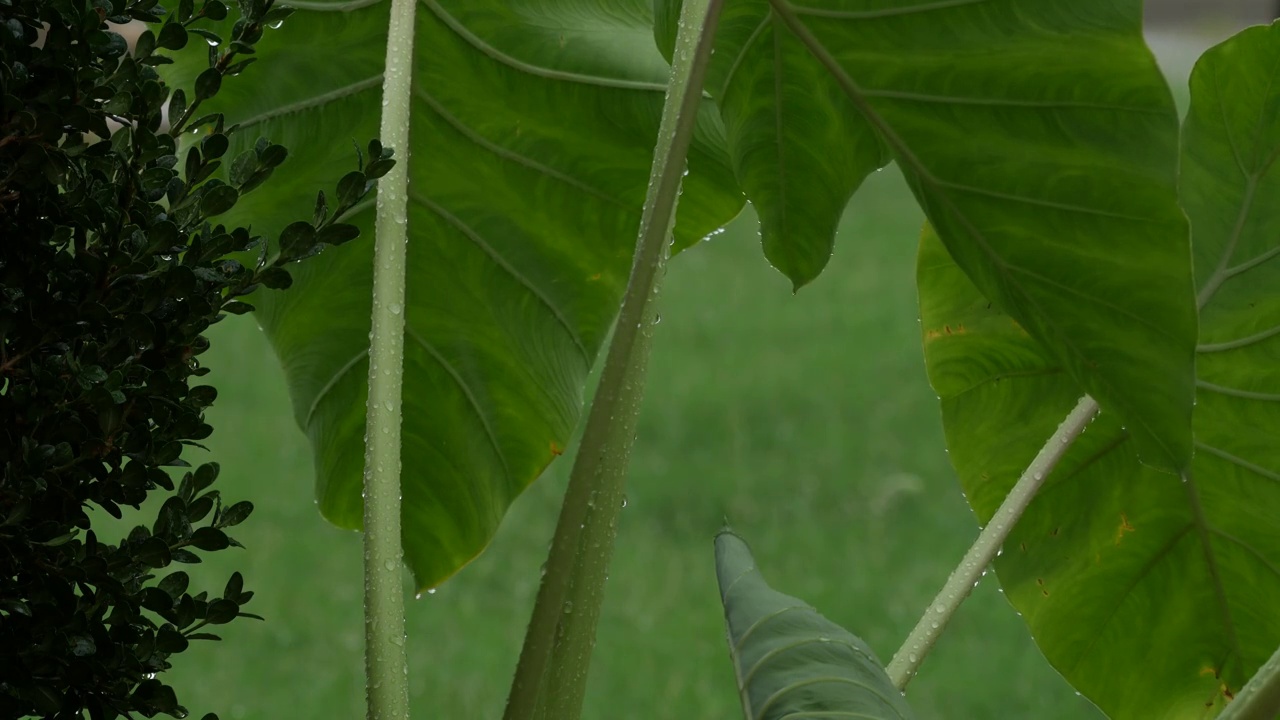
x,y
805,420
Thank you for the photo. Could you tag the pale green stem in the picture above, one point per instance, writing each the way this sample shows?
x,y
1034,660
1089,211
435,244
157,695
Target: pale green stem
x,y
907,661
1259,699
551,676
386,670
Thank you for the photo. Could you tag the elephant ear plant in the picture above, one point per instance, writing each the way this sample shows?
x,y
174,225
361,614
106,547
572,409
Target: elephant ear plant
x,y
111,268
1058,281
1146,576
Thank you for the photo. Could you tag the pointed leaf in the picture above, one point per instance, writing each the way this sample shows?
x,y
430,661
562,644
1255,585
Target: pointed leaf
x,y
533,130
790,661
1154,596
1014,122
235,514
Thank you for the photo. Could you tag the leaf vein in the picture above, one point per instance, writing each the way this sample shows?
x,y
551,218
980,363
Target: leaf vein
x,y
354,88
1000,102
328,386
822,679
497,55
1236,392
1211,562
1239,461
761,621
511,270
793,645
515,157
1091,299
1255,552
1022,199
1252,263
746,49
1239,342
882,13
1141,575
467,393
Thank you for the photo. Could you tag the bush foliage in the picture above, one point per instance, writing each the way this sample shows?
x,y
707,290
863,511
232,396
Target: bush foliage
x,y
110,271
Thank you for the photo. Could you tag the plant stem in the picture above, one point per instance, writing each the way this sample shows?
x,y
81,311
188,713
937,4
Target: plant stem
x,y
964,578
1259,699
386,669
551,676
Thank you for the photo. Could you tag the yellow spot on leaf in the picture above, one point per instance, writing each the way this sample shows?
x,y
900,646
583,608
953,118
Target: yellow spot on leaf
x,y
946,330
1125,527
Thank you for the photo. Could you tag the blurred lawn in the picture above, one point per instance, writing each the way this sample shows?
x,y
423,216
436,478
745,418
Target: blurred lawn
x,y
805,420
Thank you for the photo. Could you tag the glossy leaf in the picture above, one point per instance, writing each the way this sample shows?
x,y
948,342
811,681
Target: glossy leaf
x,y
1154,596
532,137
790,661
1040,138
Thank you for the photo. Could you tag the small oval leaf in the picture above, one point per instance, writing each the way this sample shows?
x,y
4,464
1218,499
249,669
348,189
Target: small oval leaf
x,y
218,199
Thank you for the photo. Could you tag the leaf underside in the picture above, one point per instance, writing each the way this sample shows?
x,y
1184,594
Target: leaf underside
x,y
532,133
1154,596
1039,138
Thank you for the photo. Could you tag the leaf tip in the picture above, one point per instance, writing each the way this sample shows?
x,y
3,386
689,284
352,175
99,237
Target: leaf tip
x,y
798,272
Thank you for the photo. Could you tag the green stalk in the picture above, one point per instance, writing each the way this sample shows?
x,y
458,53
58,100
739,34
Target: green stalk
x,y
551,676
386,669
906,662
1259,699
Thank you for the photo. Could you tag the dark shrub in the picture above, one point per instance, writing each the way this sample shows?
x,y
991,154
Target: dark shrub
x,y
110,271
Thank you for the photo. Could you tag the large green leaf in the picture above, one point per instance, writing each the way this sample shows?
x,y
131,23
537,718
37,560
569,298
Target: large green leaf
x,y
532,137
1040,139
790,661
1153,595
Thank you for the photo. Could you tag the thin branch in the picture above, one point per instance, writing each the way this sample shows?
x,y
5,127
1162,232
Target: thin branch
x,y
906,662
